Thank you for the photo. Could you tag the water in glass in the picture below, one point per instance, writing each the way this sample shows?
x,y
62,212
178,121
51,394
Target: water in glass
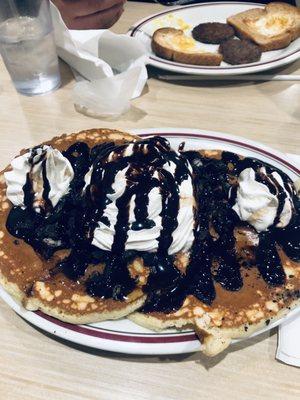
x,y
29,53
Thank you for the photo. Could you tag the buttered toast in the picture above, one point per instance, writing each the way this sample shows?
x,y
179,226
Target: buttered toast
x,y
173,44
272,28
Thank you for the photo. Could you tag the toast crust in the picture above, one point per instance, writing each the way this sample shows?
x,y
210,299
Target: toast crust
x,y
272,28
172,44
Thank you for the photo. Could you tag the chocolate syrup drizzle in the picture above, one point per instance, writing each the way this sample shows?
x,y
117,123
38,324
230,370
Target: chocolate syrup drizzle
x,y
213,258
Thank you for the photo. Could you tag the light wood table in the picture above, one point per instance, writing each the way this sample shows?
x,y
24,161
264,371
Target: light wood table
x,y
35,365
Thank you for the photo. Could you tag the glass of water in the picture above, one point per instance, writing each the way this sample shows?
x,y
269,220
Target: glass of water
x,y
27,45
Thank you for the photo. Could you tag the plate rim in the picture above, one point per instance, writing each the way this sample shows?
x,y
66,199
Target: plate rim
x,y
164,343
210,70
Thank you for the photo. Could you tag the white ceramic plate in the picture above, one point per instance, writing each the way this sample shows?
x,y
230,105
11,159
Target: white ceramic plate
x,y
124,336
208,12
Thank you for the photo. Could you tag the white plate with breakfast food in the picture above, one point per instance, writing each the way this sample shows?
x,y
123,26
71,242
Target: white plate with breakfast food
x,y
221,38
190,230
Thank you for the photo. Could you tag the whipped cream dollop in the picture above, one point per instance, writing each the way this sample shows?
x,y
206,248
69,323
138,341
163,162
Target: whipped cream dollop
x,y
263,199
47,172
141,240
148,170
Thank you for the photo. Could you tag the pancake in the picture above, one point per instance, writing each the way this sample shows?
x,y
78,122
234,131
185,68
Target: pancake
x,y
233,314
26,275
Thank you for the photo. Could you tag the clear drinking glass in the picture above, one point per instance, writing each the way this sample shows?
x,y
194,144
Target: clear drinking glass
x,y
27,45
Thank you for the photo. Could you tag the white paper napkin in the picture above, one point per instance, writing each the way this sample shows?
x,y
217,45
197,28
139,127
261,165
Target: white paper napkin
x,y
288,350
113,67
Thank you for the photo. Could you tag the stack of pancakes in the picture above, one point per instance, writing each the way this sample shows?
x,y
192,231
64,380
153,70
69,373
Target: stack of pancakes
x,y
29,277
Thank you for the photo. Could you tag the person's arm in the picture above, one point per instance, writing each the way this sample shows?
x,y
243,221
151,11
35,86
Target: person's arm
x,y
90,14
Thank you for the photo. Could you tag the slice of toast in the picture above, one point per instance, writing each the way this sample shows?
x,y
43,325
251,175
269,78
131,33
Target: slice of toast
x,y
173,44
272,28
